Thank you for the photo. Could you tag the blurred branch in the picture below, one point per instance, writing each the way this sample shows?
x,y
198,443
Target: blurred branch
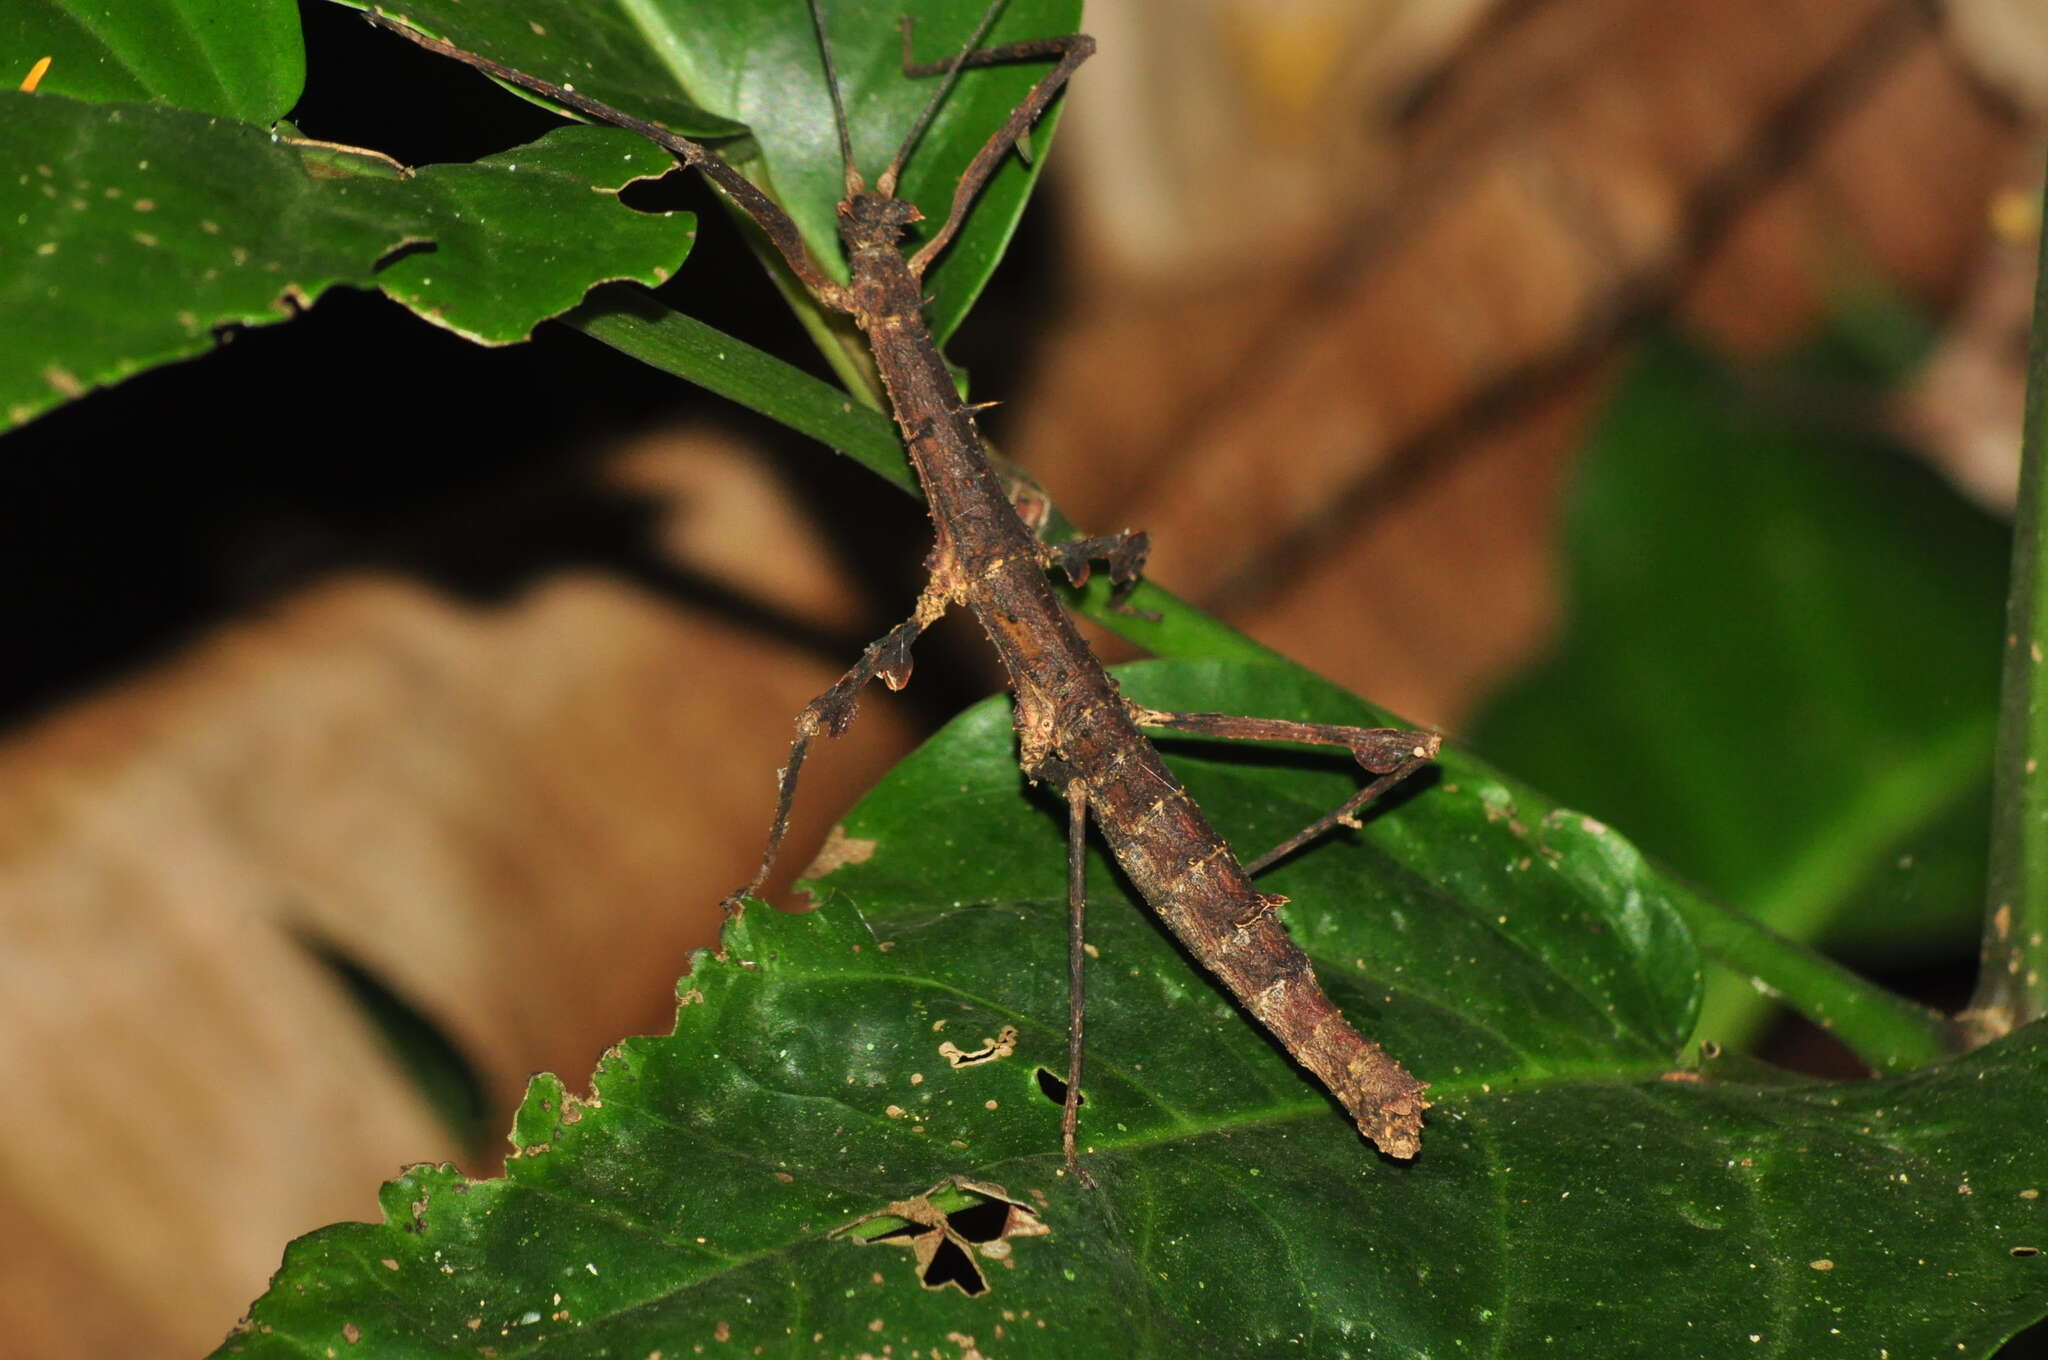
x,y
1636,297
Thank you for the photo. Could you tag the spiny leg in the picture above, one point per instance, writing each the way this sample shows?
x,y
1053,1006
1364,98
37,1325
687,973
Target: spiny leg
x,y
1122,553
1070,49
1391,753
887,659
1077,959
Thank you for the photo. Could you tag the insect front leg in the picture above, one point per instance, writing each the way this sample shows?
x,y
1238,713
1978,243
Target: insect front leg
x,y
886,659
1069,50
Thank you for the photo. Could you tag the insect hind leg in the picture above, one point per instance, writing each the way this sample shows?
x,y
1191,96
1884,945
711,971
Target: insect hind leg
x,y
1390,754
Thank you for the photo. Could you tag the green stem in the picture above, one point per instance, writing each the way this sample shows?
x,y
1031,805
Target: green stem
x,y
1885,1030
2012,988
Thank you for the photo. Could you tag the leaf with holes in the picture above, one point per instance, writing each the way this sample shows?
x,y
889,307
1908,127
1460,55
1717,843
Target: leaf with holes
x,y
850,1141
142,230
717,68
521,236
134,231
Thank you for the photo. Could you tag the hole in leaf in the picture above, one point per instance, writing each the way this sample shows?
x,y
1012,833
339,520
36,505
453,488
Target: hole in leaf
x,y
667,192
983,1222
950,1264
2025,1251
1054,1088
946,1227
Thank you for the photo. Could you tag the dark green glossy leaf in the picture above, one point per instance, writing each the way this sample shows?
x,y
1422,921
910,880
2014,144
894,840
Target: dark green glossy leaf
x,y
620,53
1570,1197
238,59
757,64
1514,936
1780,669
521,236
133,232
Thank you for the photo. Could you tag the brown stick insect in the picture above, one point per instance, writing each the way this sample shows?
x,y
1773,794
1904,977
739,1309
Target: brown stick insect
x,y
1075,732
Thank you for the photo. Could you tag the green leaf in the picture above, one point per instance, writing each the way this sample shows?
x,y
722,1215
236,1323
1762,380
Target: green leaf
x,y
521,236
763,1177
133,230
649,330
758,65
1779,670
1518,937
239,59
136,231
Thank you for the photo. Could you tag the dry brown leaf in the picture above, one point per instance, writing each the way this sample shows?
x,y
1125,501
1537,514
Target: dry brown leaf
x,y
520,819
1281,429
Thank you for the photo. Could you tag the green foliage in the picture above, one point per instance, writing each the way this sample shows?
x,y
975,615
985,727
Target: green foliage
x,y
855,1107
1780,669
1576,1188
241,61
158,197
137,230
755,67
2012,984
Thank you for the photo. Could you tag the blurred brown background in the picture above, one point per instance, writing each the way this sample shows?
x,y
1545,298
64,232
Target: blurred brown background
x,y
456,700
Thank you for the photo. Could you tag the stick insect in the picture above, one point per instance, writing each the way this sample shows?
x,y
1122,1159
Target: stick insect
x,y
1075,732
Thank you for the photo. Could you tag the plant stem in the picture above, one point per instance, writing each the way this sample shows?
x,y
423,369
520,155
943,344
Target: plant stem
x,y
1885,1030
2012,986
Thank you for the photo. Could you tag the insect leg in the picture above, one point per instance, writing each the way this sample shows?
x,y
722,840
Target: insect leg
x,y
1122,553
1390,753
1071,50
1077,959
887,659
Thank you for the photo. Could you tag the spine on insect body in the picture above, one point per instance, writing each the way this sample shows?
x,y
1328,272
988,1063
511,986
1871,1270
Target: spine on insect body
x,y
1071,722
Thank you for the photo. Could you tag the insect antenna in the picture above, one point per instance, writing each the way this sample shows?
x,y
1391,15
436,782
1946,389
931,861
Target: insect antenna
x,y
886,185
853,180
